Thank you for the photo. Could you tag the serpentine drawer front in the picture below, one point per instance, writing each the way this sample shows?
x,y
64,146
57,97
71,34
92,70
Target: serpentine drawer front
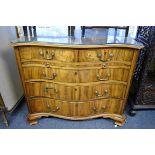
x,y
75,92
77,79
76,74
75,110
71,55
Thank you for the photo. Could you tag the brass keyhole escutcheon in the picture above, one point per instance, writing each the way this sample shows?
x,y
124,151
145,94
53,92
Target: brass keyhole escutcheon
x,y
104,65
48,65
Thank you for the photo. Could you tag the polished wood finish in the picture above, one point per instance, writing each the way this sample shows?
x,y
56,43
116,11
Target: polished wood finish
x,y
76,83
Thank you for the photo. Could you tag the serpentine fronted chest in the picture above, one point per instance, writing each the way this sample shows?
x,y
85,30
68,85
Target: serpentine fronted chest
x,y
76,79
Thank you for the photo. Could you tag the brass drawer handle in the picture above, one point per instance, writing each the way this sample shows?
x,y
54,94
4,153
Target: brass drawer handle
x,y
96,110
99,55
47,55
47,88
53,110
103,79
49,78
104,94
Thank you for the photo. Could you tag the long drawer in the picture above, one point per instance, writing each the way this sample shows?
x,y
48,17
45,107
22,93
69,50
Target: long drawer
x,y
75,75
74,55
75,92
77,109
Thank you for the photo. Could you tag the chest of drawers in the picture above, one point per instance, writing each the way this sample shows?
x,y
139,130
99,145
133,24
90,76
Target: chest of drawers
x,y
76,82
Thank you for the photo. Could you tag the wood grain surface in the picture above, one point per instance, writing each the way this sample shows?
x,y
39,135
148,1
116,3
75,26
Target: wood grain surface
x,y
76,83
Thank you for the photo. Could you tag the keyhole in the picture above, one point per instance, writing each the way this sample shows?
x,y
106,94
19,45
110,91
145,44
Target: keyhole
x,y
103,65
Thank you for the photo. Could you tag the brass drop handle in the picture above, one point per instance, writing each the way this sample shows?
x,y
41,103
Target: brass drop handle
x,y
104,78
53,76
99,95
50,56
100,109
47,55
110,56
99,55
47,88
53,110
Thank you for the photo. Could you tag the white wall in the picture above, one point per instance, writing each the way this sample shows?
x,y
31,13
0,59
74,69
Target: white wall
x,y
10,83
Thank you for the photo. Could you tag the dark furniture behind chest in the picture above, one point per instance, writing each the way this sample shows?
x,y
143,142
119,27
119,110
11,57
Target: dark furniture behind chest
x,y
126,28
142,95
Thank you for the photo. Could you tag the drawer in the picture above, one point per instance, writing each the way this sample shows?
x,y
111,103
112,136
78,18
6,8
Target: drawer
x,y
50,90
99,107
75,92
106,54
76,75
43,105
76,109
103,74
102,90
47,53
53,74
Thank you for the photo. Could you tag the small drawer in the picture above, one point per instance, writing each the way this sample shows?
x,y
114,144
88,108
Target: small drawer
x,y
98,107
46,53
106,55
102,90
57,107
50,90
